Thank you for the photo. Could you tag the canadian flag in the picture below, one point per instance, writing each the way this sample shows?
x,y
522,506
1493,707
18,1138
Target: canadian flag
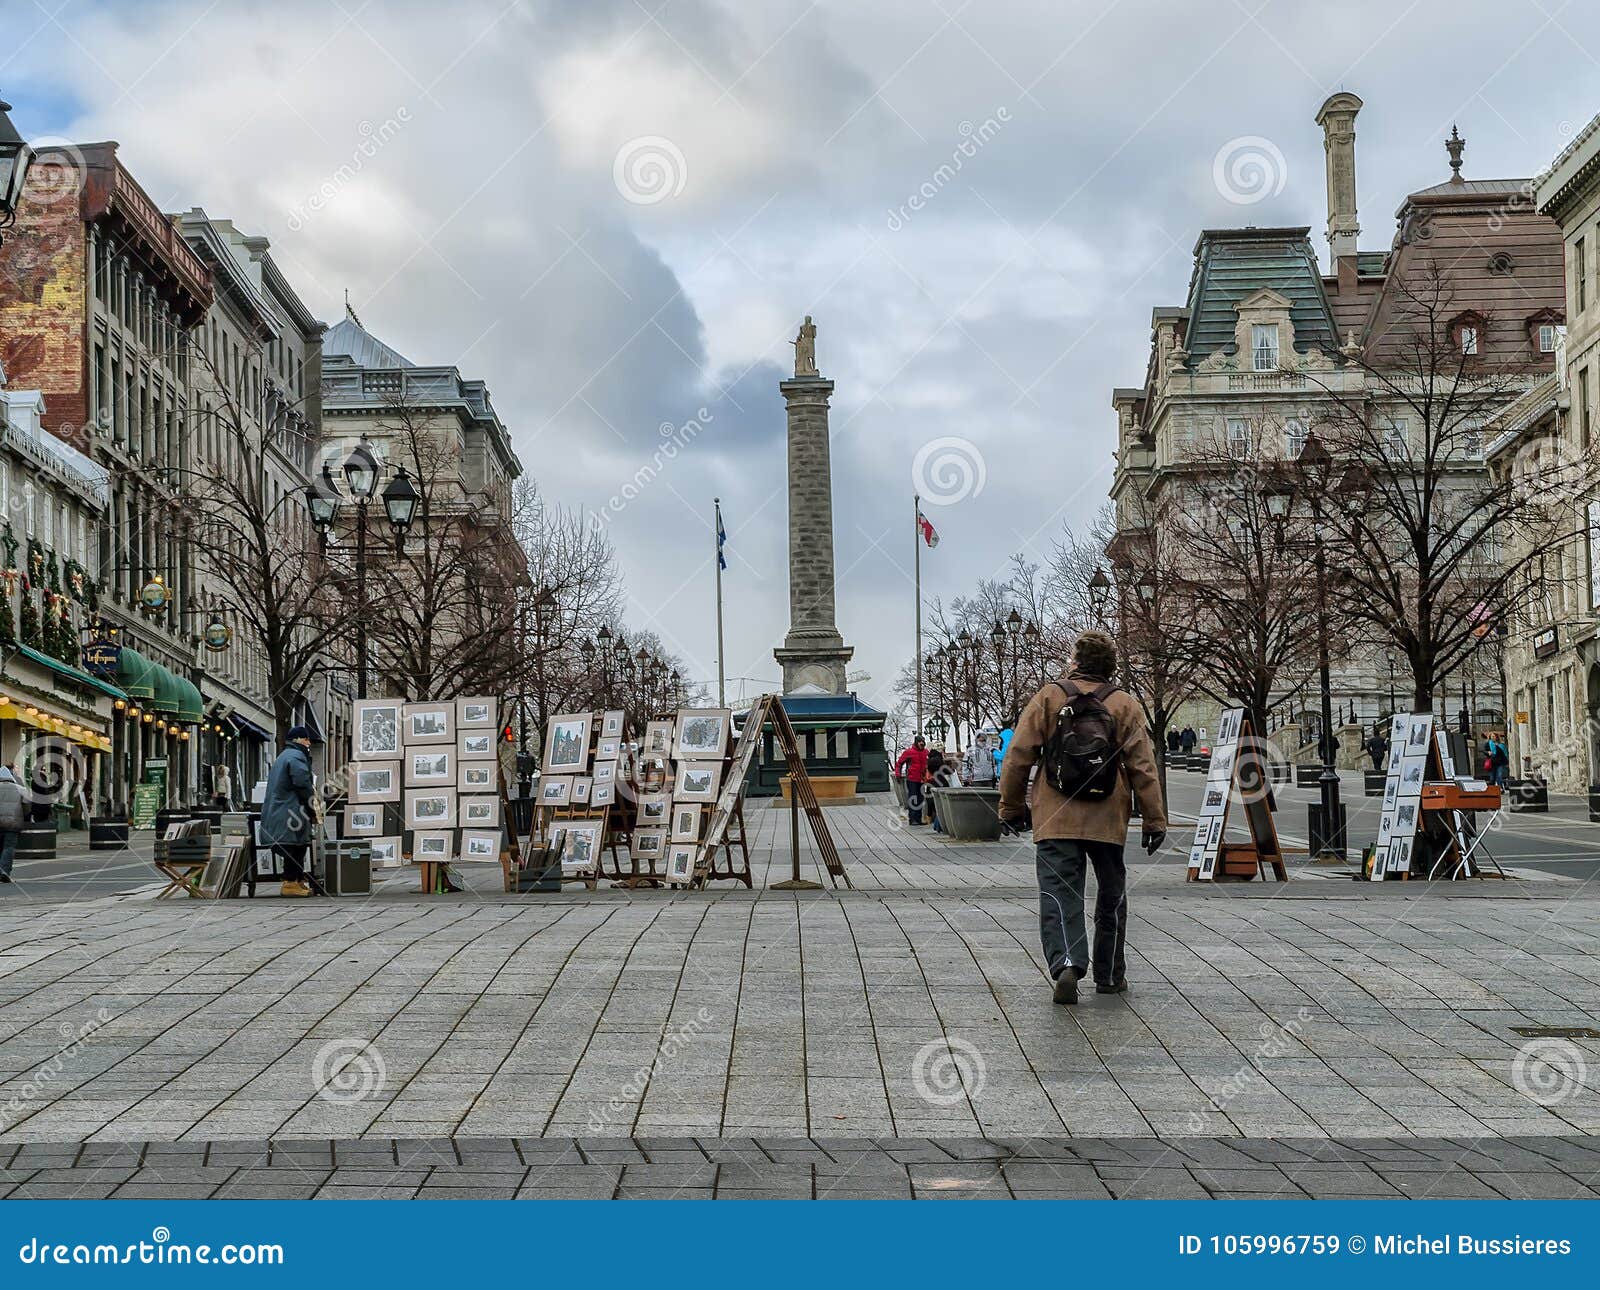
x,y
929,535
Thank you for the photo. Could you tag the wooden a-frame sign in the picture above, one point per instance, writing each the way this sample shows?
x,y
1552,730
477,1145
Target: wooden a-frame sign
x,y
768,707
1237,860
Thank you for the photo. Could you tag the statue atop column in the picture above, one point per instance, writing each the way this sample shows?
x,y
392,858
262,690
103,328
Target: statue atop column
x,y
805,349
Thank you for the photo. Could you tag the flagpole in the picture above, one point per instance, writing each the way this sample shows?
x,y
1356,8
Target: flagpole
x,y
716,537
916,542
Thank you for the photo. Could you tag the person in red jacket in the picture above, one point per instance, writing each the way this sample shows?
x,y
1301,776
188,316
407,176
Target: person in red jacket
x,y
913,764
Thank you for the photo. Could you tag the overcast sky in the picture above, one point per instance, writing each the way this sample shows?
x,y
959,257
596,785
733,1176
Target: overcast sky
x,y
616,213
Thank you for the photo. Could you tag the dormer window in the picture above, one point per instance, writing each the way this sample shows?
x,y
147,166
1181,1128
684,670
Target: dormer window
x,y
1468,336
1264,347
1547,338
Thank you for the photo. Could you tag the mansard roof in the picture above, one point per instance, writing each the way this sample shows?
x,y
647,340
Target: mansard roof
x,y
349,339
1232,264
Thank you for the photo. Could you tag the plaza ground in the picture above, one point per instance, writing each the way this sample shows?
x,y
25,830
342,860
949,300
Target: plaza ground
x,y
1320,1037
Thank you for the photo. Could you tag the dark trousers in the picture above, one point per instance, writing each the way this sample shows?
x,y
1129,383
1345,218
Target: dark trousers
x,y
293,859
1062,867
8,849
914,800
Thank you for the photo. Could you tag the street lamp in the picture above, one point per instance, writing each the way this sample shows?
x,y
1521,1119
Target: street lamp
x,y
1014,631
15,159
1033,638
1099,592
400,503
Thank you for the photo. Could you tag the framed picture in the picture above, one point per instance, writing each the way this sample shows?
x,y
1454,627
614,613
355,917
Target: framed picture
x,y
654,808
479,812
566,747
602,795
430,723
605,772
657,739
648,844
429,768
476,745
433,846
582,787
477,714
377,729
697,781
374,781
702,733
611,724
386,853
363,821
609,748
686,822
475,776
680,861
430,808
581,851
479,846
555,790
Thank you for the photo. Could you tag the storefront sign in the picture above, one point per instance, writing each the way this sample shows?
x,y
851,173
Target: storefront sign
x,y
101,658
146,802
1545,643
154,595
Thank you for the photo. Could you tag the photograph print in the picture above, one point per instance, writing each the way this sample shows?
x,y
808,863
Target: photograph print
x,y
363,821
386,853
602,794
429,768
702,733
433,846
611,724
581,850
377,729
375,782
430,723
566,748
482,812
648,844
431,808
582,788
477,714
479,846
680,862
475,776
476,745
686,822
657,739
653,808
554,790
697,781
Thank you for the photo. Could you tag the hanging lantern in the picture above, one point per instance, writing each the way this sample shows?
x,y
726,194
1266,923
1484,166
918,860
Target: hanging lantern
x,y
218,635
153,596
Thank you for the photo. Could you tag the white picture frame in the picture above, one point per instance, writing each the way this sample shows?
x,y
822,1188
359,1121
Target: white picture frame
x,y
566,746
430,723
432,766
687,817
481,713
611,724
657,739
608,748
386,852
475,745
478,811
697,781
605,772
580,850
363,821
702,734
431,808
681,860
433,846
554,790
648,844
602,795
477,776
479,846
374,781
375,730
654,809
582,790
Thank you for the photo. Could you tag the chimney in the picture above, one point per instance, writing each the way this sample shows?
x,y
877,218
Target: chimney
x,y
1337,117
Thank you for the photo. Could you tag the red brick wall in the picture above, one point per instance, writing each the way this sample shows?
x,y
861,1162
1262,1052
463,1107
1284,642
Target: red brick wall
x,y
44,305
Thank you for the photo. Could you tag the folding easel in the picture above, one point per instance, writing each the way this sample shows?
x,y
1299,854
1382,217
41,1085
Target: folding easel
x,y
1211,857
767,708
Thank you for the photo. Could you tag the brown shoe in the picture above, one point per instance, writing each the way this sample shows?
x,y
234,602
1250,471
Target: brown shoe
x,y
294,889
1066,990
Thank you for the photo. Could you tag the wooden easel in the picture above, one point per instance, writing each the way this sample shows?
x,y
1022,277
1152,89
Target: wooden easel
x,y
1211,857
767,708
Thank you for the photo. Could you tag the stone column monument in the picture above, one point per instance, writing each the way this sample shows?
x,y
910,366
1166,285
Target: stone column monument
x,y
813,654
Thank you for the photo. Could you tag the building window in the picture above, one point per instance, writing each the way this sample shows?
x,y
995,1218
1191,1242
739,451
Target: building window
x,y
1294,437
1397,438
1469,338
1580,275
1583,407
1264,346
1238,437
1472,441
1547,338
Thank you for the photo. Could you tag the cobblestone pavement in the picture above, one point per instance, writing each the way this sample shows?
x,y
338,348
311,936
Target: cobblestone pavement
x,y
804,1169
910,1008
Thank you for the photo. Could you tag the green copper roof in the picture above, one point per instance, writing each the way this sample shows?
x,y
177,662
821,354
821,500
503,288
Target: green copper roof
x,y
1231,264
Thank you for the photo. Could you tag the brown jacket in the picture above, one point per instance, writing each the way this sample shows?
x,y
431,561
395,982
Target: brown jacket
x,y
1058,817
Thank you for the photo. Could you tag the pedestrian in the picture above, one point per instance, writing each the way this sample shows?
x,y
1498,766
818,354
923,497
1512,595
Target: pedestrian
x,y
936,779
1174,741
1006,736
221,787
977,771
1187,740
1377,747
1496,759
11,820
287,814
913,766
1097,758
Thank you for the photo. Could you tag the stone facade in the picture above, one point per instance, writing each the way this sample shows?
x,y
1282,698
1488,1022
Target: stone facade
x,y
813,655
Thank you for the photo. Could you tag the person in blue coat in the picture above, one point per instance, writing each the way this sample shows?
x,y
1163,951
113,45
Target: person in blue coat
x,y
1000,749
287,815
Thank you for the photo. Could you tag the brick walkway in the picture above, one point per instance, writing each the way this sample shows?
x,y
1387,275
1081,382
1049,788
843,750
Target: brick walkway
x,y
912,1008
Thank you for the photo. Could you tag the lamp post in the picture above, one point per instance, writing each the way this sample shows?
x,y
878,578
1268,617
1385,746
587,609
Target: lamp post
x,y
971,655
602,644
1013,645
1099,593
1031,636
1391,683
324,498
15,159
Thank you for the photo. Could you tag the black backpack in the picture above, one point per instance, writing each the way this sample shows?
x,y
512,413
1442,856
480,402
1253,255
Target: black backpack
x,y
1083,753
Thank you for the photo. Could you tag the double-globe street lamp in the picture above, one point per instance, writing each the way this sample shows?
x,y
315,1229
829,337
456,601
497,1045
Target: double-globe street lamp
x,y
324,499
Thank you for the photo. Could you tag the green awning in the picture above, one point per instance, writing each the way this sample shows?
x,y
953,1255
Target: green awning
x,y
168,696
137,674
76,675
190,705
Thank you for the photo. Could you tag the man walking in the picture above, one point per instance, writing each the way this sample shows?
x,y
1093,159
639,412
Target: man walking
x,y
287,816
1104,749
11,820
913,764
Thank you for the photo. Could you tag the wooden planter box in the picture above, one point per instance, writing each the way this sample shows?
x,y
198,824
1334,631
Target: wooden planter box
x,y
829,787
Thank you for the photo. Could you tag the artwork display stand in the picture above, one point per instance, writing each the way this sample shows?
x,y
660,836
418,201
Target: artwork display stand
x,y
801,796
614,824
1211,857
1423,799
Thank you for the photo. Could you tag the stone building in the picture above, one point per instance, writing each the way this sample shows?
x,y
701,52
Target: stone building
x,y
97,293
1267,343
